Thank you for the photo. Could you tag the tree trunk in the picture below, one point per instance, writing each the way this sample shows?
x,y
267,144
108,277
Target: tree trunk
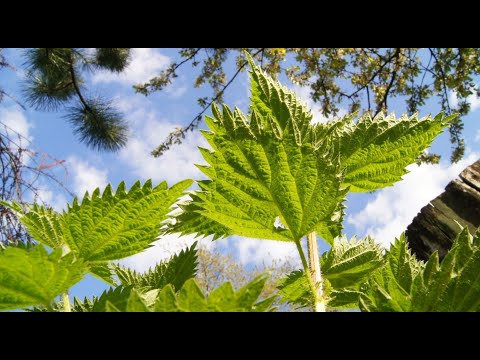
x,y
435,227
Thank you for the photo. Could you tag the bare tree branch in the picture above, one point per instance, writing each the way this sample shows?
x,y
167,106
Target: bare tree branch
x,y
174,137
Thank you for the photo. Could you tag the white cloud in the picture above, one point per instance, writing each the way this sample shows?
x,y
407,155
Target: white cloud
x,y
177,88
260,251
86,177
392,209
175,164
15,120
163,249
56,200
46,196
477,136
303,93
145,64
472,99
176,91
132,104
148,131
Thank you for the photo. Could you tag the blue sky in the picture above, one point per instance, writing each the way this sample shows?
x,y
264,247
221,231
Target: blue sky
x,y
383,214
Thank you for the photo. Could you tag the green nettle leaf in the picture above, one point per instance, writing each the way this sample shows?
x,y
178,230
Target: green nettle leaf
x,y
224,298
167,301
189,298
118,297
113,226
345,268
294,289
135,303
406,284
389,289
248,295
107,226
44,225
346,298
121,298
453,285
349,263
175,271
268,180
109,307
103,271
383,293
275,175
82,306
34,277
375,152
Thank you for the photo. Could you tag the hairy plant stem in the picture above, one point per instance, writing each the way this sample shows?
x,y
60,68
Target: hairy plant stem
x,y
66,303
306,268
315,272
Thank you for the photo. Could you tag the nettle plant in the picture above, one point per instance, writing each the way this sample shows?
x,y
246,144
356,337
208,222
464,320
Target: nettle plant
x,y
89,236
273,175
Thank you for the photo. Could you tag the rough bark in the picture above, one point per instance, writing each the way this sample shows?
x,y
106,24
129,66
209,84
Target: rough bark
x,y
435,227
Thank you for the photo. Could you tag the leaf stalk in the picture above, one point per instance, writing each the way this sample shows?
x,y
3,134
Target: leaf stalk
x,y
66,303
